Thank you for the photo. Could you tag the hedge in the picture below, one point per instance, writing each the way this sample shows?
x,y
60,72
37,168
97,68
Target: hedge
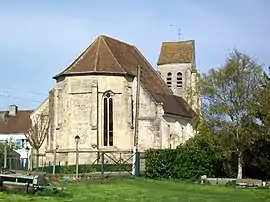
x,y
160,163
185,162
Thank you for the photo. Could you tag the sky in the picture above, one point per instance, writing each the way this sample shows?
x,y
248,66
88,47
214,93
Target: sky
x,y
40,38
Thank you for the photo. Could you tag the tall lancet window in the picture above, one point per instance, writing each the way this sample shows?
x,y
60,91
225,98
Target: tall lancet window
x,y
108,120
179,80
169,79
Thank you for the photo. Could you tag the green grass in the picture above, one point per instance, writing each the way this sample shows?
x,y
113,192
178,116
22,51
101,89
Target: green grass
x,y
146,190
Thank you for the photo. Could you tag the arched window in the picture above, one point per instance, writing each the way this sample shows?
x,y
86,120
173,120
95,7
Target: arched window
x,y
108,120
179,80
169,79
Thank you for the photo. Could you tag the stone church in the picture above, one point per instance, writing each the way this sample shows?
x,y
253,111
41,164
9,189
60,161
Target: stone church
x,y
94,98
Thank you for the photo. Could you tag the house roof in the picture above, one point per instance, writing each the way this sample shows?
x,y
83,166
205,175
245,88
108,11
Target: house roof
x,y
107,55
177,52
16,124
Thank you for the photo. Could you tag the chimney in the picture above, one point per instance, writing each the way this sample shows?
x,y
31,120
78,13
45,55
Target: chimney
x,y
13,110
4,116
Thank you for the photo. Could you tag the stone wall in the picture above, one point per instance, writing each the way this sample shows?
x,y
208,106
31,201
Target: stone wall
x,y
174,69
76,108
80,112
180,129
150,116
190,79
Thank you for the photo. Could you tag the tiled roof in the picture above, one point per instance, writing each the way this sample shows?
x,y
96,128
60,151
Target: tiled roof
x,y
177,52
16,124
175,105
107,55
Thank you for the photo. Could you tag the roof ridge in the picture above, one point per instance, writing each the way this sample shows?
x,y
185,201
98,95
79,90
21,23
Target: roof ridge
x,y
191,40
19,110
97,54
113,54
121,41
151,67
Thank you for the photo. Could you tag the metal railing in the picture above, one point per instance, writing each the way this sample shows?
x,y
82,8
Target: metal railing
x,y
102,164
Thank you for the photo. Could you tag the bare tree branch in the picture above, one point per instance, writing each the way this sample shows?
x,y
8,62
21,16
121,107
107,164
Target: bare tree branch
x,y
38,131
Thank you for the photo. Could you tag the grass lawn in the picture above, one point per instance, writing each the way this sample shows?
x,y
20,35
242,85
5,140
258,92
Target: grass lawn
x,y
146,190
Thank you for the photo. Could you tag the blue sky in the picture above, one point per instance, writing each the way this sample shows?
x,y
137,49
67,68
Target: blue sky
x,y
40,38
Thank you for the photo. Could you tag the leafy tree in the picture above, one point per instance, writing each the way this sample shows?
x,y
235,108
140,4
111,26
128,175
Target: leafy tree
x,y
38,132
208,139
228,95
257,160
262,105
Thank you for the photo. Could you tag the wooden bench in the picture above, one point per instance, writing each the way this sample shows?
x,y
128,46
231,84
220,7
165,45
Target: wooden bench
x,y
29,183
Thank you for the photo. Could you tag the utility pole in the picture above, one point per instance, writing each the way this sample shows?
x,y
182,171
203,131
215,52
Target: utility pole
x,y
54,159
135,149
5,156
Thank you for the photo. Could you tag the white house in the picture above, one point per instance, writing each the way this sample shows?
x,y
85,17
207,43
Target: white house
x,y
13,128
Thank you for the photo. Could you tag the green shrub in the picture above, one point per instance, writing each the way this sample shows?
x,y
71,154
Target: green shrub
x,y
160,163
193,162
189,161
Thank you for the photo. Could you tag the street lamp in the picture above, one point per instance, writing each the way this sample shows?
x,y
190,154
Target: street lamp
x,y
27,158
77,139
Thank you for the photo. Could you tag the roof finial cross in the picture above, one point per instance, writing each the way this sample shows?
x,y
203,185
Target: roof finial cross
x,y
179,34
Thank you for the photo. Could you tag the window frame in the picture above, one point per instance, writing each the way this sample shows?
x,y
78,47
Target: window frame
x,y
108,119
179,80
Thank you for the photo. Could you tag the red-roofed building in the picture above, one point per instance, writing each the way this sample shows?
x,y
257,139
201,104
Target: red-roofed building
x,y
13,126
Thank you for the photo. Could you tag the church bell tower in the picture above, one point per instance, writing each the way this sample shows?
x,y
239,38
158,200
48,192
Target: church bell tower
x,y
177,67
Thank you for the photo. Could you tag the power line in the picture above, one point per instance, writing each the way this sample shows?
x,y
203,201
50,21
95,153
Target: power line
x,y
26,91
20,98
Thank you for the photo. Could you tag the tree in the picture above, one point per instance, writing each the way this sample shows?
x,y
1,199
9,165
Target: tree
x,y
262,105
38,131
228,95
10,147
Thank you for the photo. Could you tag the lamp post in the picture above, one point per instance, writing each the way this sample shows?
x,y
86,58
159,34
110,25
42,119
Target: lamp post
x,y
5,153
77,139
54,159
27,157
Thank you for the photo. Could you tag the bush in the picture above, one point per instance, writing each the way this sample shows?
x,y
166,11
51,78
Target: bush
x,y
193,162
160,163
189,161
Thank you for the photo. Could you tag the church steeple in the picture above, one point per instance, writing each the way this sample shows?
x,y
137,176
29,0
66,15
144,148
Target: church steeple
x,y
177,67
